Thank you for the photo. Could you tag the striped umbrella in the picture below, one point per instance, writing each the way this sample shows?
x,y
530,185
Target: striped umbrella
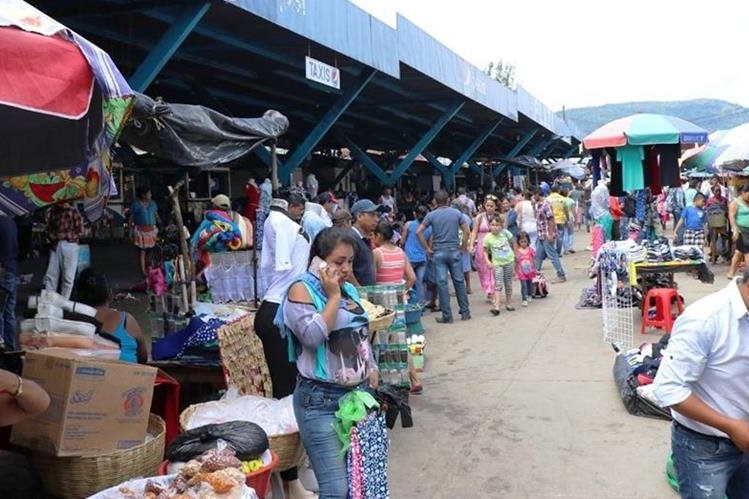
x,y
727,150
645,129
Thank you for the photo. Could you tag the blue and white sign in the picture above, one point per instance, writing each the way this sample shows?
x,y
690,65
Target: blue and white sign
x,y
322,73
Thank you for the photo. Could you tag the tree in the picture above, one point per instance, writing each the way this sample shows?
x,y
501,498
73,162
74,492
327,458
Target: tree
x,y
503,72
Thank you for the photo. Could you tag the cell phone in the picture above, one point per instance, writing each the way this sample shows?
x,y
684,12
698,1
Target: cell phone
x,y
315,265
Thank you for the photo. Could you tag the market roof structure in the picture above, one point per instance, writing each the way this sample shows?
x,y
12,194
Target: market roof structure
x,y
399,88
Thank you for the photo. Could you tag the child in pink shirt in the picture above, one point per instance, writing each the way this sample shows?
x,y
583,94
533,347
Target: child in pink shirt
x,y
525,266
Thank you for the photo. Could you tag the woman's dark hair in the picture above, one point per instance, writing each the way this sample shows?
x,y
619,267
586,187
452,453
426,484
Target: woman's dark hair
x,y
328,240
421,212
384,229
92,288
141,191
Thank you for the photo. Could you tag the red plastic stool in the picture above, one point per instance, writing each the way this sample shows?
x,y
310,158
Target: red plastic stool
x,y
662,298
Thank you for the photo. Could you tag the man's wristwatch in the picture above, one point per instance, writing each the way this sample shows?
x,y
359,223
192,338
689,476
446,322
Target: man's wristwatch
x,y
19,387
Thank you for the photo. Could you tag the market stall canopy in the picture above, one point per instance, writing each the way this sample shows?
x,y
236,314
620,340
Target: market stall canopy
x,y
192,135
62,102
728,150
645,129
567,167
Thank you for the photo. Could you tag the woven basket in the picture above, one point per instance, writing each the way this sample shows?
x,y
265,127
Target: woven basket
x,y
382,322
288,447
76,477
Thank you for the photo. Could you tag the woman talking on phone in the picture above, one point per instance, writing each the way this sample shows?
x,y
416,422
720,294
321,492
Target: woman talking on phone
x,y
323,319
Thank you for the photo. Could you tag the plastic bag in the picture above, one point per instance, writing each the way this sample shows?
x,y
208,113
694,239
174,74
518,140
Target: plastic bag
x,y
627,386
247,439
276,417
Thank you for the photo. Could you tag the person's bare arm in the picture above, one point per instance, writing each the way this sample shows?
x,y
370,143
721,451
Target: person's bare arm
x,y
134,330
679,224
474,233
34,400
404,234
733,210
736,429
464,229
377,260
410,275
420,235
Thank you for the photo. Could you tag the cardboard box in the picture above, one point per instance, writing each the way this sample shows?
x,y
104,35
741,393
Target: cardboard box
x,y
97,406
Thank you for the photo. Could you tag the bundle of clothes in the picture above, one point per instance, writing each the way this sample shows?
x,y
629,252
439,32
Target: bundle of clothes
x,y
218,232
634,373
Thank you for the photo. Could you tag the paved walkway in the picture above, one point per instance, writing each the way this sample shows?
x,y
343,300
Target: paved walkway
x,y
524,405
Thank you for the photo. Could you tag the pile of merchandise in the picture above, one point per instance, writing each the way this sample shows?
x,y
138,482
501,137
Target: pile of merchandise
x,y
634,372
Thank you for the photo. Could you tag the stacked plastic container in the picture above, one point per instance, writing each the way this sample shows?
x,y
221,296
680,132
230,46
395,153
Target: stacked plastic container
x,y
390,345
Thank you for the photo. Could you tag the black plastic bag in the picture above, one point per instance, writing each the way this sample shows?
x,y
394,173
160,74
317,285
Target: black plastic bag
x,y
247,439
394,401
627,386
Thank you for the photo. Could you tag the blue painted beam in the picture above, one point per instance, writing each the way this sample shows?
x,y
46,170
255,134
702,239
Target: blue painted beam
x,y
365,160
264,155
424,142
168,45
471,149
324,125
473,166
444,170
516,150
570,151
540,147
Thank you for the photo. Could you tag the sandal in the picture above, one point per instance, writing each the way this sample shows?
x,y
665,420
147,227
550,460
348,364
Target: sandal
x,y
509,308
494,312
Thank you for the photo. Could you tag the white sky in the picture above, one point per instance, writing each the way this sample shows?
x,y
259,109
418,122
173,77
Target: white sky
x,y
578,53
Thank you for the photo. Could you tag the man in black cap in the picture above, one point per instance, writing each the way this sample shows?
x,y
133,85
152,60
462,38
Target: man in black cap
x,y
364,213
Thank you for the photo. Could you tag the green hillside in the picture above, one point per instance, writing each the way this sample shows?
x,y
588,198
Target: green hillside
x,y
709,113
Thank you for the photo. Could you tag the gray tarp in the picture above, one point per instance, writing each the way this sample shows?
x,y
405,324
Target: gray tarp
x,y
191,135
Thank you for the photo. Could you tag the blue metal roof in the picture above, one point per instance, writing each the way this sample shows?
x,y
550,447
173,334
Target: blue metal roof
x,y
336,24
422,52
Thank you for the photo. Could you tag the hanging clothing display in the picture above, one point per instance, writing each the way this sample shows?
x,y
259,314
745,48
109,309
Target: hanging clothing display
x,y
616,187
631,158
668,162
652,170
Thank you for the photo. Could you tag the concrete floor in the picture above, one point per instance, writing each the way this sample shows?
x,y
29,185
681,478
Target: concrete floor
x,y
524,406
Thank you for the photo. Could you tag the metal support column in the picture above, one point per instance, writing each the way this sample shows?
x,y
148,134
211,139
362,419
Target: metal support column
x,y
447,175
168,45
471,149
516,150
571,150
323,126
424,142
365,160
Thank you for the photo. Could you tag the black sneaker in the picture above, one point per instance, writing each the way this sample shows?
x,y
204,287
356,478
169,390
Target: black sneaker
x,y
466,317
494,312
442,320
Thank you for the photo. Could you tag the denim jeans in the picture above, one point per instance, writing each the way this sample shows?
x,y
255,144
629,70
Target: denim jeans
x,y
547,249
420,269
8,289
569,237
561,229
451,261
526,290
708,467
63,261
315,404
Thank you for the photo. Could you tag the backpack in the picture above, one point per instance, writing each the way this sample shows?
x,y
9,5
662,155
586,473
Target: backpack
x,y
540,287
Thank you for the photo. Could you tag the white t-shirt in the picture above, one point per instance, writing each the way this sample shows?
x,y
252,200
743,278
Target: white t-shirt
x,y
284,256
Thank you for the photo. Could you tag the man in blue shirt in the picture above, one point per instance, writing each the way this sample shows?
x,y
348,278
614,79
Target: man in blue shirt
x,y
693,219
703,379
447,223
8,281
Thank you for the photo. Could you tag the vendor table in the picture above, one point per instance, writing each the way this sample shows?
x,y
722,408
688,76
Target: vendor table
x,y
669,268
